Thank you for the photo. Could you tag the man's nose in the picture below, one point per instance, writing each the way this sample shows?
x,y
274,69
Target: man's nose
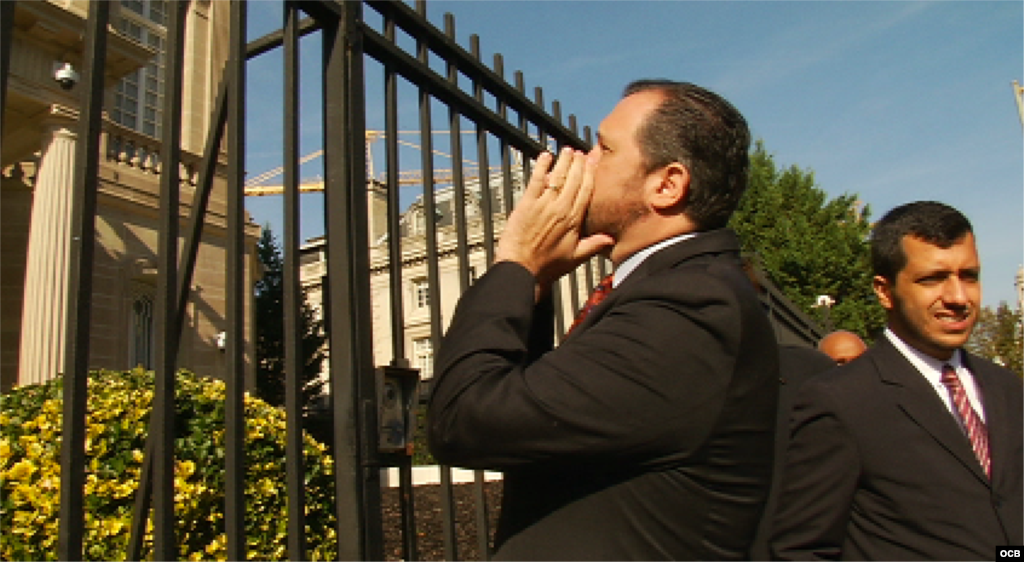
x,y
955,291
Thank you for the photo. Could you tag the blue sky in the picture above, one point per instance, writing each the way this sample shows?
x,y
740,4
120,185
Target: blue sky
x,y
893,101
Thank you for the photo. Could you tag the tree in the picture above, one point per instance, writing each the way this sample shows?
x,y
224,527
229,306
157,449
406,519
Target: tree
x,y
999,336
270,344
809,245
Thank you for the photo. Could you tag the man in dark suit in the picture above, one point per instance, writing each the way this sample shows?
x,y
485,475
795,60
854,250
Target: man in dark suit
x,y
797,364
647,434
914,450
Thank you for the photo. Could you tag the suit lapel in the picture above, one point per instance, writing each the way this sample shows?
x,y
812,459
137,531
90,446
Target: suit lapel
x,y
919,401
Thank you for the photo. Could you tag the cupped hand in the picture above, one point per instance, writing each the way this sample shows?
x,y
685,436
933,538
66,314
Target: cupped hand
x,y
543,232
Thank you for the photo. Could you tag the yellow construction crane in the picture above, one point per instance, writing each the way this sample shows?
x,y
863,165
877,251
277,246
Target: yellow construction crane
x,y
255,186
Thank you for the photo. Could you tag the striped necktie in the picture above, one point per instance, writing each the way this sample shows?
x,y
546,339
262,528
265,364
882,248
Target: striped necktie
x,y
598,295
975,428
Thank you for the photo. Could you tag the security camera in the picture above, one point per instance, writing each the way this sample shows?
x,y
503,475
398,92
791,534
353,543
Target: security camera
x,y
66,76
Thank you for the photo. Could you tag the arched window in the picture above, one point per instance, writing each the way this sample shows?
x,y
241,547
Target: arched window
x,y
142,332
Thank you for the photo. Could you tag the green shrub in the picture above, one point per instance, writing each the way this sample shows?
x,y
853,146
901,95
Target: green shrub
x,y
119,404
421,453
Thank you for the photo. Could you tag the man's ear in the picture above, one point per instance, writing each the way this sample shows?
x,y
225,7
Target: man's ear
x,y
671,186
883,290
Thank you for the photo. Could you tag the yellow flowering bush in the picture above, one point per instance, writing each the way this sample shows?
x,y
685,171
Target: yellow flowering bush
x,y
119,405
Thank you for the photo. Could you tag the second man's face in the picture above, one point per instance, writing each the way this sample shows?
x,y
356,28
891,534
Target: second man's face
x,y
933,303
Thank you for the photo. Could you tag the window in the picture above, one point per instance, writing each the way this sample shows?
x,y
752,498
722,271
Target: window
x,y
421,294
142,332
418,222
423,356
138,98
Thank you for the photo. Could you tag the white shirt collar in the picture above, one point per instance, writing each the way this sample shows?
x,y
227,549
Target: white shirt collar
x,y
931,369
929,366
634,261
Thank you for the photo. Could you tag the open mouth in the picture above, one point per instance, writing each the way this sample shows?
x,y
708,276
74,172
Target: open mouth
x,y
955,321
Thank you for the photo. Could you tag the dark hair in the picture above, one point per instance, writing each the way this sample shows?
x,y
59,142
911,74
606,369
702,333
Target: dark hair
x,y
933,222
702,131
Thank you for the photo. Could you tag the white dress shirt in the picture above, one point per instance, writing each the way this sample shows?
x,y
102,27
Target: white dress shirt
x,y
931,369
634,261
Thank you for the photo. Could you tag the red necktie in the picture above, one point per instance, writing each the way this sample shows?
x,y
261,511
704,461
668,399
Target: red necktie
x,y
598,295
975,428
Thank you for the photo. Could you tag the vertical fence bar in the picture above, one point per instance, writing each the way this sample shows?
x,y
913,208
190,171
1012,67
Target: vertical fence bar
x,y
398,351
406,495
352,373
588,273
143,501
292,293
556,288
542,134
524,127
430,222
359,269
484,165
461,232
350,523
79,307
506,155
487,223
234,408
165,546
458,179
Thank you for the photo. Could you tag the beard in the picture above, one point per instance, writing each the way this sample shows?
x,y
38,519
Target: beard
x,y
613,218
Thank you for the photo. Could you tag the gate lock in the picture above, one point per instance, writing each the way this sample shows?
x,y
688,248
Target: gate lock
x,y
397,396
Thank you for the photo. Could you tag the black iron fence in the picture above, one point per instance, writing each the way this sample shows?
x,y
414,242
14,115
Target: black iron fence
x,y
508,128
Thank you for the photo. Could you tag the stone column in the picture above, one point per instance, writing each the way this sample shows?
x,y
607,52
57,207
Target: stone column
x,y
44,311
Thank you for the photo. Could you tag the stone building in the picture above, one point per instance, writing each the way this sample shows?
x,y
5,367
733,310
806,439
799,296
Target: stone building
x,y
416,291
38,160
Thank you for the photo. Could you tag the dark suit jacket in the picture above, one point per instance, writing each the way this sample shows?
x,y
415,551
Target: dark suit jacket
x,y
646,435
878,468
796,365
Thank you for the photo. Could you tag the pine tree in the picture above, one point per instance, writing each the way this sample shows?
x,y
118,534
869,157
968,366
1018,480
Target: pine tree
x,y
270,342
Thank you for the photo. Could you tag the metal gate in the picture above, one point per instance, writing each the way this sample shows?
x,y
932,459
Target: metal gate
x,y
507,127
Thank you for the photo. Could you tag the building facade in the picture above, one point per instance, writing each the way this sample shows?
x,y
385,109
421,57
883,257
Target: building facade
x,y
38,162
416,295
